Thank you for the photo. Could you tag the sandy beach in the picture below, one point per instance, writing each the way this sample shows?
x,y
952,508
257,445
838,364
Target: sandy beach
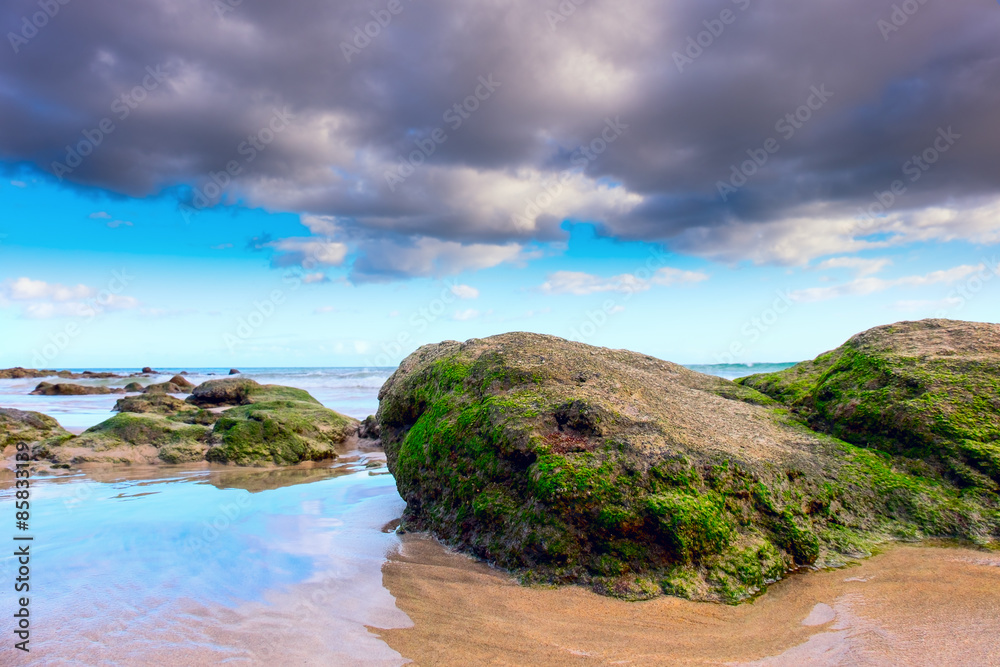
x,y
912,605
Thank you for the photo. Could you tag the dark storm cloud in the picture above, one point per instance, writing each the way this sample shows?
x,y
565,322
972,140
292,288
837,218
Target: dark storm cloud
x,y
374,137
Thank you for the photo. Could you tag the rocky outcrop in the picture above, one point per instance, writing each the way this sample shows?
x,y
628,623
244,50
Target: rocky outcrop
x,y
253,425
148,371
159,403
927,391
243,391
47,389
20,426
230,391
133,387
570,463
168,388
233,371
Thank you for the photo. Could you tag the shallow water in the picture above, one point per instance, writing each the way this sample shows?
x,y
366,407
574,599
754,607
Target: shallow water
x,y
184,565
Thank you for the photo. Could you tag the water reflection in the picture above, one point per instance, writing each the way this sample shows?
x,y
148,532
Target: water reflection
x,y
196,564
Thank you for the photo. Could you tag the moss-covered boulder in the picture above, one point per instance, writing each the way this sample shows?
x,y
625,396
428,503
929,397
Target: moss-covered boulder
x,y
243,391
21,426
570,463
168,388
131,438
274,426
928,391
134,387
278,432
160,403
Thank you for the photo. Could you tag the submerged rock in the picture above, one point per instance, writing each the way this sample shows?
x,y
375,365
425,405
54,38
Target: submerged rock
x,y
928,391
570,463
134,387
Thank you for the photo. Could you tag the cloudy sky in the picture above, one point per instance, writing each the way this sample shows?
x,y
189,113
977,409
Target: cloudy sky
x,y
318,182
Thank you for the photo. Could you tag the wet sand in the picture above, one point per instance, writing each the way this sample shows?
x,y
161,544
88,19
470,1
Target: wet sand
x,y
912,605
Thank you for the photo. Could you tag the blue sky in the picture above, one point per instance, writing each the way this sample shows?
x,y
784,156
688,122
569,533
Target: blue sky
x,y
189,293
251,183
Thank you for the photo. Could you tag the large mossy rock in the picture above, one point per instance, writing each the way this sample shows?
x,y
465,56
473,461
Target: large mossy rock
x,y
928,391
570,463
266,425
21,426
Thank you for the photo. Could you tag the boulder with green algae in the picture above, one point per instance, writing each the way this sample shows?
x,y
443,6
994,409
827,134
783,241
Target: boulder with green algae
x,y
926,391
280,432
243,391
131,438
160,403
278,426
21,426
573,464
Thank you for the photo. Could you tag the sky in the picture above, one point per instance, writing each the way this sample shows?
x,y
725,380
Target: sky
x,y
317,183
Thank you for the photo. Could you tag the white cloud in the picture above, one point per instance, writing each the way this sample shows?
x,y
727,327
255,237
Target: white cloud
x,y
114,224
465,315
465,292
100,215
863,286
318,277
309,252
19,184
863,267
325,309
321,225
42,300
26,289
581,284
822,230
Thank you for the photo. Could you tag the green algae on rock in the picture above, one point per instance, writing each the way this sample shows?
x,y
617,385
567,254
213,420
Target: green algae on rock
x,y
21,426
278,432
573,464
927,391
264,425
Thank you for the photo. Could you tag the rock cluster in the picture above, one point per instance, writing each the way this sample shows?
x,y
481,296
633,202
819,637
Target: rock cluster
x,y
245,424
